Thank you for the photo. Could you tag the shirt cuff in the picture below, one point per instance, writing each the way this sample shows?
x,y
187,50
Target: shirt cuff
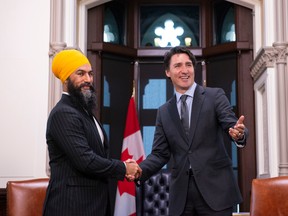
x,y
241,142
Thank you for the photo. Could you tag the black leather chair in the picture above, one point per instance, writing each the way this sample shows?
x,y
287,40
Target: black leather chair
x,y
152,198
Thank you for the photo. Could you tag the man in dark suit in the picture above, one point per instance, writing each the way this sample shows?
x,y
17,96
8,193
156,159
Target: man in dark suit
x,y
202,180
78,148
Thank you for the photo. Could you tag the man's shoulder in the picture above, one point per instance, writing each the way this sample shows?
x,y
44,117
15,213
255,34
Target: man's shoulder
x,y
212,90
169,102
64,105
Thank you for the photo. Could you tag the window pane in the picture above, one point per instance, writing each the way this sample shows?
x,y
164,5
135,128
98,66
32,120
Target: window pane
x,y
224,23
228,29
107,130
166,26
114,23
148,135
106,94
154,94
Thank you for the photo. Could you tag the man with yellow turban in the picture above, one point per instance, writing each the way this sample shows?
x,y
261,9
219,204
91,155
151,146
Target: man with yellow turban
x,y
77,144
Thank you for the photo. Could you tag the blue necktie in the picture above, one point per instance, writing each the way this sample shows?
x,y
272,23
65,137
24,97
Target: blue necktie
x,y
184,114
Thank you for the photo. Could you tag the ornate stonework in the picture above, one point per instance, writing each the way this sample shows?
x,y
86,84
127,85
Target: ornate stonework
x,y
56,47
281,52
268,57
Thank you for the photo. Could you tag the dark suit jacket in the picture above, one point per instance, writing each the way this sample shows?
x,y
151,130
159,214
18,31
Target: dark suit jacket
x,y
204,150
80,164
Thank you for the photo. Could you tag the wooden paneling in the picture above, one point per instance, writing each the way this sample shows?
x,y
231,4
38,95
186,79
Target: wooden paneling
x,y
246,157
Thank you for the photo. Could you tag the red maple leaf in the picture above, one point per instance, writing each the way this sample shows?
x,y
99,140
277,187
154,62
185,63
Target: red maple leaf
x,y
125,155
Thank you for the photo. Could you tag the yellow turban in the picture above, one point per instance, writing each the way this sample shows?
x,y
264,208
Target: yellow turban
x,y
66,62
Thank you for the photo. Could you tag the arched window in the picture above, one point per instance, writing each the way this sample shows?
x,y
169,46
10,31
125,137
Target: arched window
x,y
114,19
228,27
169,26
224,23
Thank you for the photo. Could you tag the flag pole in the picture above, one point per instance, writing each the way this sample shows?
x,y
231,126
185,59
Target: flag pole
x,y
135,83
133,91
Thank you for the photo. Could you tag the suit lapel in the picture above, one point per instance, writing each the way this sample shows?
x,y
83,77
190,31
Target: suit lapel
x,y
173,111
198,100
105,141
91,118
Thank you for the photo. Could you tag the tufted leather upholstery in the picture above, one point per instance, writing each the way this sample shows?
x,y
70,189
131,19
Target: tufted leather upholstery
x,y
269,197
26,198
153,197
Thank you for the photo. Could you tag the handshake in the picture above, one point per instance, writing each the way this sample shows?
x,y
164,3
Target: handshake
x,y
133,171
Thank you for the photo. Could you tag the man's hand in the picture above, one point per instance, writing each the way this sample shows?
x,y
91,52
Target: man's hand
x,y
133,171
237,132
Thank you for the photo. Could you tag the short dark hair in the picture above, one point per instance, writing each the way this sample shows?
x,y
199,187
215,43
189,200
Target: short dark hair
x,y
175,50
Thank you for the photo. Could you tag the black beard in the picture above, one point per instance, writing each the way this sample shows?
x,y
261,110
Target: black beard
x,y
86,98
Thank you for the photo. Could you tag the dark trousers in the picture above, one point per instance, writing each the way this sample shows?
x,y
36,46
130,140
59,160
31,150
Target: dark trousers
x,y
196,205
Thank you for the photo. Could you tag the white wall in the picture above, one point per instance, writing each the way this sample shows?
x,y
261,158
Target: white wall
x,y
24,71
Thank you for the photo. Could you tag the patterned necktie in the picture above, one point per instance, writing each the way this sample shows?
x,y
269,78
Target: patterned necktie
x,y
184,114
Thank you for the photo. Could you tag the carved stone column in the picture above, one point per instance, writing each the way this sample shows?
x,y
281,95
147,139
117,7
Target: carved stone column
x,y
281,53
56,44
280,46
62,33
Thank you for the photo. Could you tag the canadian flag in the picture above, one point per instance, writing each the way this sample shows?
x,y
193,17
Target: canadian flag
x,y
132,148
